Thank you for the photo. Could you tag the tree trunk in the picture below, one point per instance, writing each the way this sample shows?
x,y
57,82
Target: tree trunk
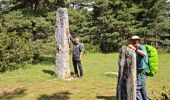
x,y
126,86
62,41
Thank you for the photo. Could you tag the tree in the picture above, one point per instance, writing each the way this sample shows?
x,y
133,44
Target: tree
x,y
112,24
39,27
114,21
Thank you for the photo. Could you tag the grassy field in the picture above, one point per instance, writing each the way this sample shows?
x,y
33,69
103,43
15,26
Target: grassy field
x,y
38,82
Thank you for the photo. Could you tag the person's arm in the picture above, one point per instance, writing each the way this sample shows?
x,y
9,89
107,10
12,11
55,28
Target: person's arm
x,y
81,55
141,50
72,39
69,36
132,47
81,50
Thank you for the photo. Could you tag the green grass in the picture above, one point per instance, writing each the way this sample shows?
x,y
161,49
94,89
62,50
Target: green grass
x,y
38,82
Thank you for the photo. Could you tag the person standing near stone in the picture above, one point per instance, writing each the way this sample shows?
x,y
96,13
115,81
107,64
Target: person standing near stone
x,y
142,66
77,53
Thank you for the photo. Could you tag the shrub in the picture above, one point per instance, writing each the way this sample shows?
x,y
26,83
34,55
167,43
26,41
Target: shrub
x,y
91,48
13,50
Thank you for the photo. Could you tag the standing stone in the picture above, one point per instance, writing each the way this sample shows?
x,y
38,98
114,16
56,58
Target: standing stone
x,y
126,86
62,44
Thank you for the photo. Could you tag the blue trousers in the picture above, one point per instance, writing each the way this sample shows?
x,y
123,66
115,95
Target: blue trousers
x,y
75,64
141,87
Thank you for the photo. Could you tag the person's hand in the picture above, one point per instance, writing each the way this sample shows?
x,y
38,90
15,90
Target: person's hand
x,y
132,47
137,45
68,32
80,58
69,35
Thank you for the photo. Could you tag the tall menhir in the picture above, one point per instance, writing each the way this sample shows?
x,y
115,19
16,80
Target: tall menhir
x,y
62,44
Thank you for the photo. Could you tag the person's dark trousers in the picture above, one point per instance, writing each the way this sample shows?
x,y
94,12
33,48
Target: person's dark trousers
x,y
141,87
75,64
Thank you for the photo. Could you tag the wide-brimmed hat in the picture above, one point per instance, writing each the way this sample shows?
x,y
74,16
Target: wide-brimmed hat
x,y
135,38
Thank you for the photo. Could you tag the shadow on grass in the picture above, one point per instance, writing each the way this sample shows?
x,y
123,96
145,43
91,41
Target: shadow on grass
x,y
19,92
72,73
56,96
106,97
45,60
50,72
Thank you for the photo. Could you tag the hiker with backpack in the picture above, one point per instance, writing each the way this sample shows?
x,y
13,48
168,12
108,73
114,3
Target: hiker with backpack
x,y
142,66
77,53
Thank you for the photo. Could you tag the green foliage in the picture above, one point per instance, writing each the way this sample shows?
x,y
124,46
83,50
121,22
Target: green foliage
x,y
44,46
79,23
113,24
14,21
105,28
114,21
91,48
13,50
34,27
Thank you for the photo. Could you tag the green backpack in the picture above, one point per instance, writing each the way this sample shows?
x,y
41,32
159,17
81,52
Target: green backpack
x,y
153,60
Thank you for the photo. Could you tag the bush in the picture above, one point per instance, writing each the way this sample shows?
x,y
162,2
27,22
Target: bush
x,y
13,50
91,48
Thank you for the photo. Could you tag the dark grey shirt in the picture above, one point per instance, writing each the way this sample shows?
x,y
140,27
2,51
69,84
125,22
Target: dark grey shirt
x,y
77,49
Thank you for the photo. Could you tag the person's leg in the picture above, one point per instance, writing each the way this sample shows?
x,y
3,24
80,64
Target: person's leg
x,y
138,93
75,68
138,88
80,68
143,89
144,94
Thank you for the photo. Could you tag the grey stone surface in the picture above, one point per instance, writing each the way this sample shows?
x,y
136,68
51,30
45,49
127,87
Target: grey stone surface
x,y
62,44
126,86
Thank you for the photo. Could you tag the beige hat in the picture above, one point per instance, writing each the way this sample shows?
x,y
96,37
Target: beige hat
x,y
135,38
